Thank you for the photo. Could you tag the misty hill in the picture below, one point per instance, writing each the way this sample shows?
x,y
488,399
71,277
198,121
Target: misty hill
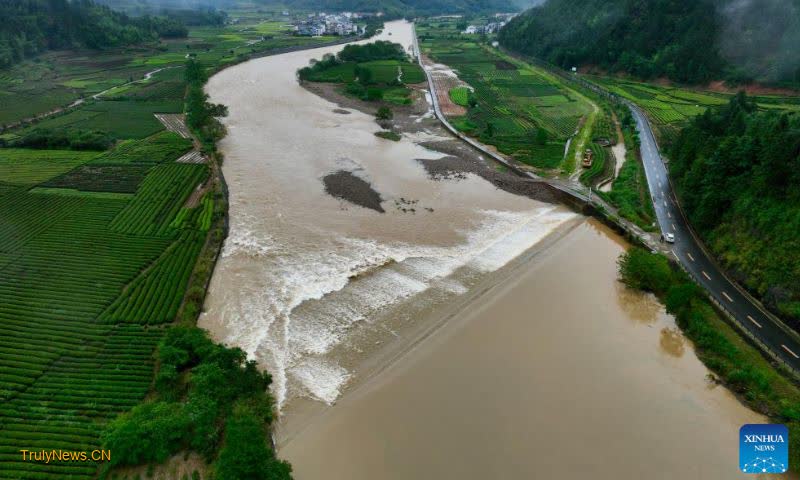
x,y
409,7
394,8
691,41
32,26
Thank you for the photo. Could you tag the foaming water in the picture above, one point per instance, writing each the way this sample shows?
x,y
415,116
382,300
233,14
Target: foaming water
x,y
550,368
308,284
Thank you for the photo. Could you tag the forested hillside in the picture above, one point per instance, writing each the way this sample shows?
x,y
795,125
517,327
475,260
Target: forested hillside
x,y
394,8
32,26
411,7
691,41
737,172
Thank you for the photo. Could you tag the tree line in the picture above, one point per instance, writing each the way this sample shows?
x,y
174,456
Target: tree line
x,y
201,115
737,172
30,27
734,361
207,399
380,50
690,41
407,8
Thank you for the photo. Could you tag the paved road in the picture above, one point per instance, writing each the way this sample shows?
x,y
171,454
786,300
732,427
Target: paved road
x,y
692,256
765,328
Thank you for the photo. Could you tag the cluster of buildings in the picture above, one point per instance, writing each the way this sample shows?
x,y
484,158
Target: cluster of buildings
x,y
500,20
330,24
492,27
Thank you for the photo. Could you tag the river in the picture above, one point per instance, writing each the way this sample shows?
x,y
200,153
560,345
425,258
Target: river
x,y
464,333
309,284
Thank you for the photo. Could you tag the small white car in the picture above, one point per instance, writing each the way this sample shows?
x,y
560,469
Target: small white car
x,y
669,237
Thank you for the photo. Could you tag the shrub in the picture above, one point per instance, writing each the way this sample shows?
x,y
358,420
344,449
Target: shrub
x,y
384,113
246,454
389,135
199,386
44,138
643,270
150,432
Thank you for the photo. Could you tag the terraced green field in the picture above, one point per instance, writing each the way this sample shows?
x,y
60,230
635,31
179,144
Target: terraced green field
x,y
120,119
23,167
671,107
79,275
514,101
123,168
90,253
98,249
56,79
459,95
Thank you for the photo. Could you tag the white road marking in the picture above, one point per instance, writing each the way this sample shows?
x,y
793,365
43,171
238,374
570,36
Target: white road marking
x,y
706,275
673,227
727,296
669,215
787,349
690,256
665,203
754,321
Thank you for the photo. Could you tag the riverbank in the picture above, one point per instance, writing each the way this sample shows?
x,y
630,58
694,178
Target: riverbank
x,y
520,383
335,299
417,122
321,281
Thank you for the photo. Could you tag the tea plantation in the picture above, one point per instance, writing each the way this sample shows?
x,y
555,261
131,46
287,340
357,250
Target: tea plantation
x,y
83,268
99,249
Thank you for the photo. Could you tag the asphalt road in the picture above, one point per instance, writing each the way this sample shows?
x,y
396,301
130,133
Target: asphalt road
x,y
688,251
764,327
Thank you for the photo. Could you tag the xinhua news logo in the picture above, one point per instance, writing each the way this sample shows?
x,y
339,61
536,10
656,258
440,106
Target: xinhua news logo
x,y
764,448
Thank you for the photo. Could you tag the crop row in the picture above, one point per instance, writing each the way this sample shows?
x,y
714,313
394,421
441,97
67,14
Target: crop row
x,y
207,213
160,197
154,296
96,177
29,167
63,373
55,413
159,148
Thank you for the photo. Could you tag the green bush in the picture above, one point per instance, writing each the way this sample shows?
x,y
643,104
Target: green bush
x,y
460,96
45,138
150,432
737,363
245,454
388,135
647,271
384,113
198,384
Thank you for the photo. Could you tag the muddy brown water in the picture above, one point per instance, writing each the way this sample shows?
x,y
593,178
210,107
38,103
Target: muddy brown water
x,y
309,284
556,371
464,333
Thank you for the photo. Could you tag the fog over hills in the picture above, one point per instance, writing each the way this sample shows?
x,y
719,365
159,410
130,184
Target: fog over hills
x,y
393,7
685,40
762,37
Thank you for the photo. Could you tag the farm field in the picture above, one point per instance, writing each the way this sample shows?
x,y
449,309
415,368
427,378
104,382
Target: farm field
x,y
383,71
119,119
387,79
459,95
98,249
71,359
671,107
56,79
523,111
